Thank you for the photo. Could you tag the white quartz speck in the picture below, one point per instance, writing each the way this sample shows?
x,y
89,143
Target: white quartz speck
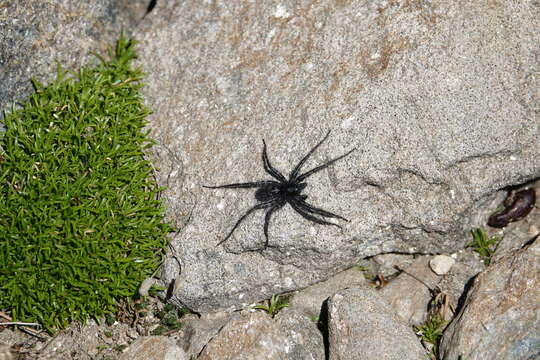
x,y
221,205
281,12
347,123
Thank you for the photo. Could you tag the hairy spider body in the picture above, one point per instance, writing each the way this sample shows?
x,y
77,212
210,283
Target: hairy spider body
x,y
273,195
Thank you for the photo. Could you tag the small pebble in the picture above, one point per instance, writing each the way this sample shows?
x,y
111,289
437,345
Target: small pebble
x,y
441,264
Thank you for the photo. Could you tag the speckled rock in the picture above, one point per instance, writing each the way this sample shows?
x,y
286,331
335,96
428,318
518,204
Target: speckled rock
x,y
439,99
410,293
304,340
154,348
361,325
441,264
500,317
247,337
310,300
37,35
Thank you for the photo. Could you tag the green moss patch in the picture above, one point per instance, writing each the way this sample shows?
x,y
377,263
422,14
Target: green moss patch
x,y
80,223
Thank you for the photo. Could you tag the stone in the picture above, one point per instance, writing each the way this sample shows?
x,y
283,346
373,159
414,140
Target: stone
x,y
410,293
250,336
154,348
500,317
440,119
361,325
36,35
441,264
196,332
310,300
303,340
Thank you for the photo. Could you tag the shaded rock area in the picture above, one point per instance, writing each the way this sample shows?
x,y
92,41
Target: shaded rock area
x,y
37,35
441,120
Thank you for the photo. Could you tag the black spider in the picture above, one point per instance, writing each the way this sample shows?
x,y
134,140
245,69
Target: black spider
x,y
273,195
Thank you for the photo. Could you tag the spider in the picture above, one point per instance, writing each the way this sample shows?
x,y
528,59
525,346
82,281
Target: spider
x,y
273,195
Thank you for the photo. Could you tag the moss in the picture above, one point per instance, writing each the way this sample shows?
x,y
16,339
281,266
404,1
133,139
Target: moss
x,y
81,225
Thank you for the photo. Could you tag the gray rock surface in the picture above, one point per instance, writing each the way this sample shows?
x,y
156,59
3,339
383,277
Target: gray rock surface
x,y
310,300
303,340
36,35
500,318
196,332
409,293
361,325
441,264
438,97
154,348
247,337
86,342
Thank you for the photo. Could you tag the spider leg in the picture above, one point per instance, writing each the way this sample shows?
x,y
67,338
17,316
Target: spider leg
x,y
269,168
267,220
320,167
256,207
295,171
308,216
312,209
255,184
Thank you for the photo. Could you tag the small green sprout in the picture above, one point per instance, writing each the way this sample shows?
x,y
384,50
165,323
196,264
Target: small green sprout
x,y
120,348
100,348
431,332
365,271
483,245
275,304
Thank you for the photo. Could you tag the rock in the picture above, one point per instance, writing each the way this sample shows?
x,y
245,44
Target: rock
x,y
500,317
146,285
361,325
441,264
87,341
310,300
247,336
395,81
389,264
303,340
454,284
5,353
35,35
154,348
409,293
196,332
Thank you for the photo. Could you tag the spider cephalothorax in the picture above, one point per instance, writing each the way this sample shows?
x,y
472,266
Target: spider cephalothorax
x,y
273,195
